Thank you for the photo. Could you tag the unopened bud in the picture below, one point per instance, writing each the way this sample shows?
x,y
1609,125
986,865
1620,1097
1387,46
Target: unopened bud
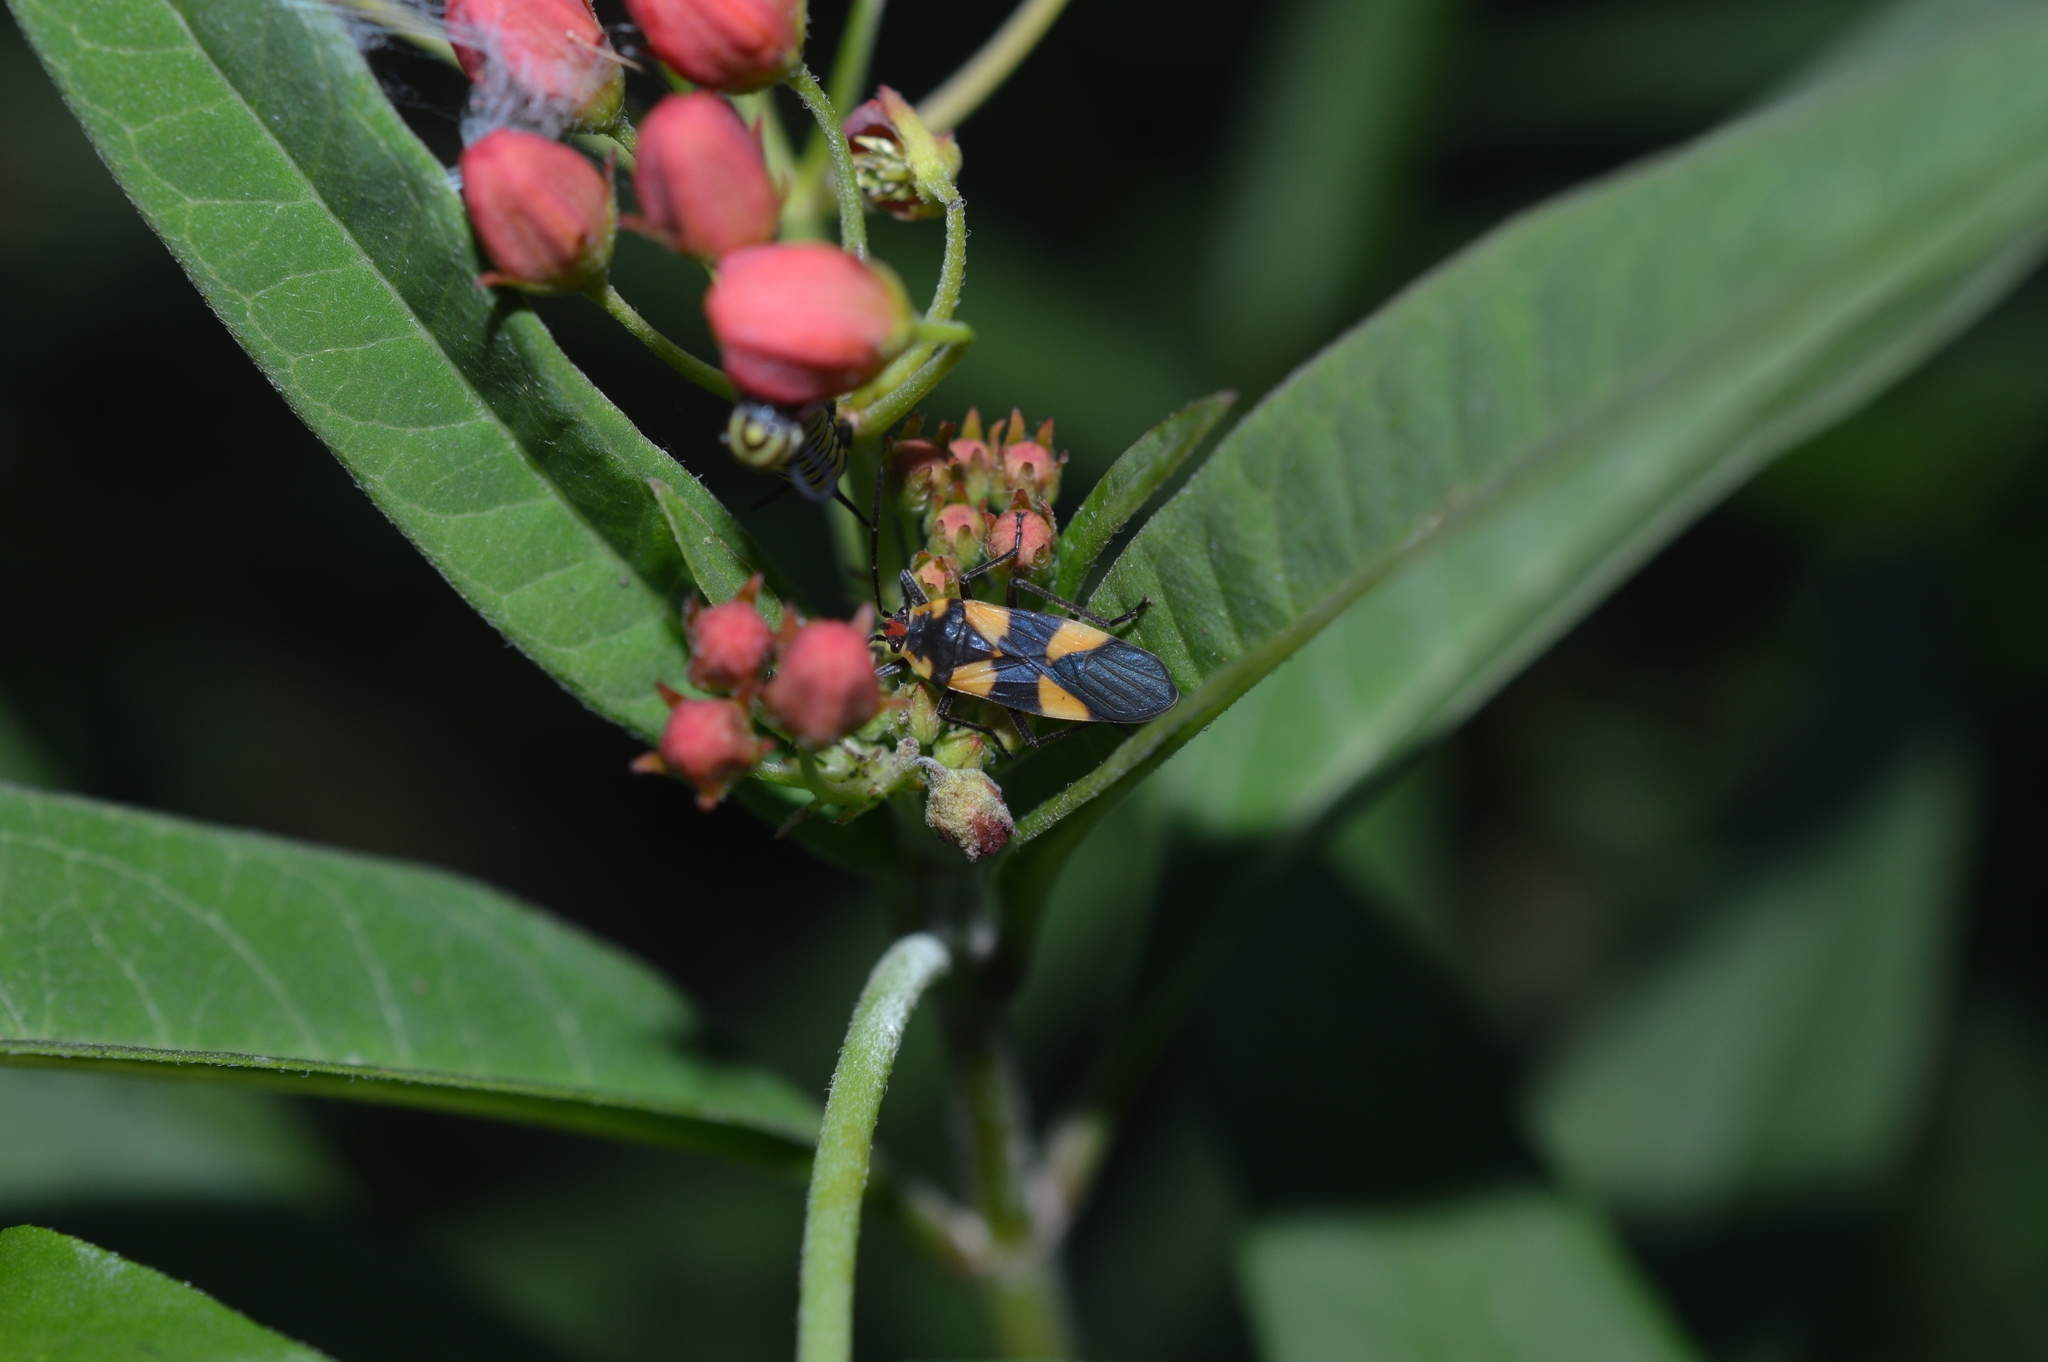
x,y
882,167
937,577
703,185
962,749
729,643
1026,529
922,716
1031,467
974,468
922,472
801,322
737,46
826,686
547,55
711,744
543,212
957,532
966,808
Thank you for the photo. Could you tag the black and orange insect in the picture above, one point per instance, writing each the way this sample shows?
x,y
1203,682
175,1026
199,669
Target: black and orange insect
x,y
1025,661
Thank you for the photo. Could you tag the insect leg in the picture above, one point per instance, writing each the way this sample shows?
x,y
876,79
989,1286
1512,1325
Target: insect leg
x,y
1079,613
780,488
944,713
875,538
1030,736
843,501
992,564
887,669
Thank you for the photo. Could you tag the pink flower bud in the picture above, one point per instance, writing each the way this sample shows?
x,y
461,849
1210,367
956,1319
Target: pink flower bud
x,y
803,322
703,185
1035,550
733,45
542,212
729,643
966,808
957,532
922,471
826,686
550,52
1030,467
711,744
936,576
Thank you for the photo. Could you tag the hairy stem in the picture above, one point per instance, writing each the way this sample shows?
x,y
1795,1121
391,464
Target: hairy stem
x,y
853,226
887,410
981,75
839,1171
705,376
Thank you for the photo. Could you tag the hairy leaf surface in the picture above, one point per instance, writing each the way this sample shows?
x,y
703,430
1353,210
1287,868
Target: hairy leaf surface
x,y
1492,452
257,144
137,941
62,1300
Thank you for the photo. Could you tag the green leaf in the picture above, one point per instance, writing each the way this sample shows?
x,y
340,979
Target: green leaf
x,y
257,144
1131,481
1786,1049
719,569
1486,457
62,1300
164,947
1516,1277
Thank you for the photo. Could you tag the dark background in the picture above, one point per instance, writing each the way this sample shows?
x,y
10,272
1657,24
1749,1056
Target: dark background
x,y
203,616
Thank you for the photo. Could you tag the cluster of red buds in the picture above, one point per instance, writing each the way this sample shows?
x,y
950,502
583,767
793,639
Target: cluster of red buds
x,y
978,495
795,323
810,683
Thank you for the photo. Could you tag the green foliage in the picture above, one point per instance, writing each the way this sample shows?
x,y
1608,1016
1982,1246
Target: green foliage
x,y
1484,458
1131,481
1514,1277
1785,1050
160,945
62,1300
256,143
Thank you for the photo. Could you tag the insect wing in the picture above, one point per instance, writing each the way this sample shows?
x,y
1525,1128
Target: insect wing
x,y
1120,682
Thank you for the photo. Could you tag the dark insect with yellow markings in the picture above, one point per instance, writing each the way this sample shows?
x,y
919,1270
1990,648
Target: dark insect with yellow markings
x,y
1025,661
807,446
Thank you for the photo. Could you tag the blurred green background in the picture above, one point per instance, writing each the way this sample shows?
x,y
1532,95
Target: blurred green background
x,y
1726,915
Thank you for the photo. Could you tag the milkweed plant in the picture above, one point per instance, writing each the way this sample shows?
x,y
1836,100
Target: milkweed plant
x,y
1021,633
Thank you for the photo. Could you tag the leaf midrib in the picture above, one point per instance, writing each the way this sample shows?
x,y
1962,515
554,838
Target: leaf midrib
x,y
369,260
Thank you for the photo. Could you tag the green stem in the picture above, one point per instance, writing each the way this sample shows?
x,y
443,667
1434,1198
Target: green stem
x,y
839,1171
682,361
856,49
948,106
887,410
953,269
853,226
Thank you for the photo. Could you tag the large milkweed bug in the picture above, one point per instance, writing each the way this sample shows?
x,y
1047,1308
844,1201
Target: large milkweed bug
x,y
1025,661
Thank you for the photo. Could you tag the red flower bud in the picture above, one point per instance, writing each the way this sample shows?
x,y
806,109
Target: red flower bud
x,y
1030,467
543,212
804,322
729,643
703,185
826,686
733,45
957,531
548,52
711,744
966,808
1034,549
